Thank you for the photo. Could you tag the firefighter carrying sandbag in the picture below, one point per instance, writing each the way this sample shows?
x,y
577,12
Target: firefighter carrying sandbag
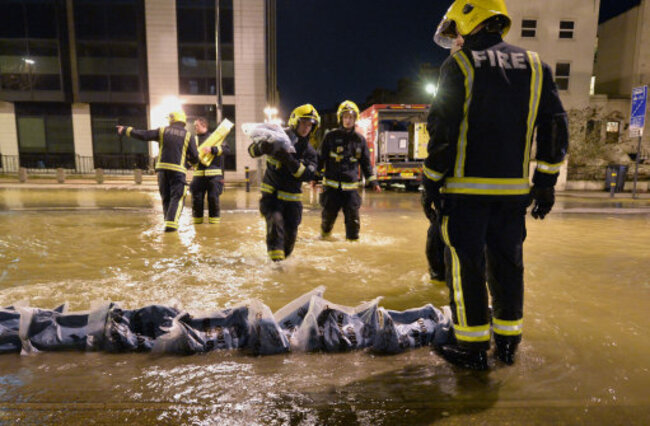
x,y
281,202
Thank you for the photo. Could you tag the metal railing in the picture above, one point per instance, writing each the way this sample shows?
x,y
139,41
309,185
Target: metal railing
x,y
73,164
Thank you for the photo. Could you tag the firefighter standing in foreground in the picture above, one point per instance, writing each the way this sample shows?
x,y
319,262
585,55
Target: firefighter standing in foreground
x,y
492,96
207,179
177,148
342,153
281,203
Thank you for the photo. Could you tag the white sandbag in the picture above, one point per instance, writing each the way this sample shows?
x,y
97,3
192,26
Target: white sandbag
x,y
269,132
291,316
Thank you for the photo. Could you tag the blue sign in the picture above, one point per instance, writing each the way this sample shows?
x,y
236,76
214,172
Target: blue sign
x,y
639,105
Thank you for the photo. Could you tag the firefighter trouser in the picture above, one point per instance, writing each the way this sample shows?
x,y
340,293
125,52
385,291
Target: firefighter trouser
x,y
435,250
173,189
484,239
282,220
332,200
213,186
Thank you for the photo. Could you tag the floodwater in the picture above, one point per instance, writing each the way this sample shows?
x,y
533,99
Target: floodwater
x,y
583,360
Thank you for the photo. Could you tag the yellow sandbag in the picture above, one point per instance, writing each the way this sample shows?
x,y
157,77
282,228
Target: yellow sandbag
x,y
215,139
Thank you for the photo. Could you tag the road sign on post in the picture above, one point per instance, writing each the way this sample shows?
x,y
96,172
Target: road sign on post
x,y
637,123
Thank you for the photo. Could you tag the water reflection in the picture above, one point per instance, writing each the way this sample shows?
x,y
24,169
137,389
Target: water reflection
x,y
583,359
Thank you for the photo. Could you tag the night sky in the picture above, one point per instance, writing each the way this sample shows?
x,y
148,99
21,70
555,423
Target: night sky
x,y
333,50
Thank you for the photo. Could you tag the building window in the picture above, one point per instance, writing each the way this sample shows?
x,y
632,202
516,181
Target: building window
x,y
562,74
118,152
612,131
529,28
45,139
197,47
210,113
110,50
566,29
30,63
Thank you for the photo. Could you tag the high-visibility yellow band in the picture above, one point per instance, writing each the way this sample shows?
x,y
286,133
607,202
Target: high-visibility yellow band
x,y
169,224
372,178
456,280
549,168
480,333
533,104
170,166
507,328
208,172
273,162
276,254
335,156
432,174
289,196
128,131
197,220
214,220
468,71
486,186
300,170
343,185
251,150
186,142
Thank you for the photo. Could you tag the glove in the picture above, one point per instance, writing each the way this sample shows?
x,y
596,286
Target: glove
x,y
429,212
543,199
283,156
266,147
431,195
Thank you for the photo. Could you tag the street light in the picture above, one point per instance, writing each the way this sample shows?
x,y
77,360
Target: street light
x,y
431,89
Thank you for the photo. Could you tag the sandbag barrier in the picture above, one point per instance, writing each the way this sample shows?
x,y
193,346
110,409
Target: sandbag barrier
x,y
308,324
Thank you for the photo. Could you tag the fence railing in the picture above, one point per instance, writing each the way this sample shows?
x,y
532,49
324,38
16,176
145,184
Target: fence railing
x,y
114,164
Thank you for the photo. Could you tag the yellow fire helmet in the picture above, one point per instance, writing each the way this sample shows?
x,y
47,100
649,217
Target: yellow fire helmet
x,y
304,111
464,16
346,106
177,116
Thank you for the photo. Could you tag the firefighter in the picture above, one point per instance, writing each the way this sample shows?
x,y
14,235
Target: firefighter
x,y
342,153
177,149
207,179
492,98
281,187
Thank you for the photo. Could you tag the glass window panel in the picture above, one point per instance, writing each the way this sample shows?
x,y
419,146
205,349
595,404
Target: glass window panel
x,y
12,21
93,83
191,26
125,83
122,18
562,69
31,134
566,25
13,47
529,23
41,20
227,52
59,134
566,34
90,21
92,49
528,33
562,83
226,26
124,50
16,81
46,82
228,85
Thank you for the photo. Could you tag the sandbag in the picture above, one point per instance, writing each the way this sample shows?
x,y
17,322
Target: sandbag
x,y
269,132
227,329
9,325
267,338
291,316
413,328
50,330
129,330
335,328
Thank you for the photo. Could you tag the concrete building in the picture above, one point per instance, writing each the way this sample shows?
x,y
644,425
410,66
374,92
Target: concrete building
x,y
71,70
622,63
563,32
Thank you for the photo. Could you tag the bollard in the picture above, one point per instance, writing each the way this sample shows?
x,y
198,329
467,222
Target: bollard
x,y
60,175
612,184
22,175
99,175
248,179
137,176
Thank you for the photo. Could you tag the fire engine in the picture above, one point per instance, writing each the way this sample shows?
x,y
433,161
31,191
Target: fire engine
x,y
397,139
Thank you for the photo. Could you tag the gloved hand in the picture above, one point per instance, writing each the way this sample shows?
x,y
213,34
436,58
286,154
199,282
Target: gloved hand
x,y
266,147
543,199
429,212
283,156
431,195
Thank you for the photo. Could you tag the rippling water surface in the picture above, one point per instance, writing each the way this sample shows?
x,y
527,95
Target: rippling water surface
x,y
584,358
